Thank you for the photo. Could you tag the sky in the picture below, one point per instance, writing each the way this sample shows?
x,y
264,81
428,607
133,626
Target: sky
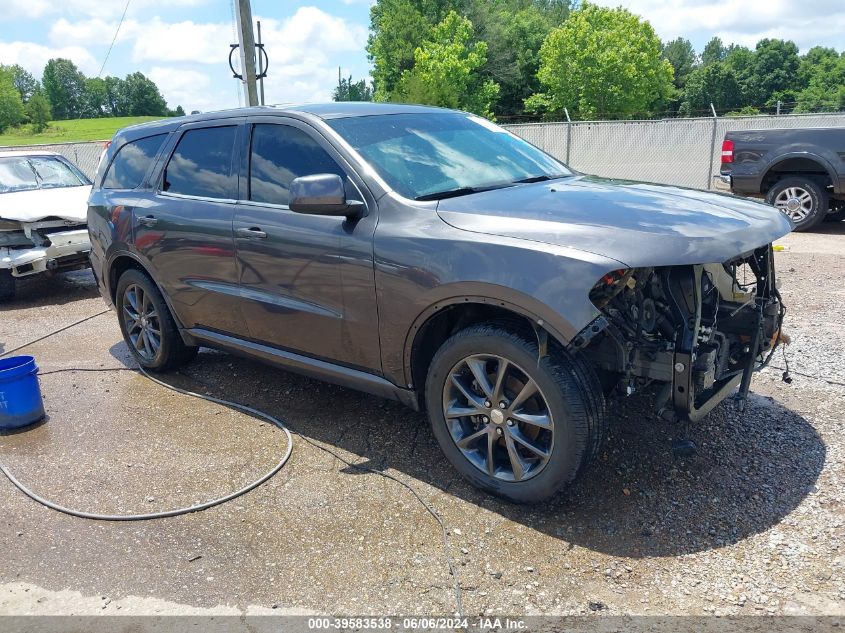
x,y
183,45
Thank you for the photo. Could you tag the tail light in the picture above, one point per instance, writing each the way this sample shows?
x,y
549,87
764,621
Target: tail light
x,y
727,151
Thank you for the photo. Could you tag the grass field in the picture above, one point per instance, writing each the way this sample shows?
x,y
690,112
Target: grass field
x,y
71,131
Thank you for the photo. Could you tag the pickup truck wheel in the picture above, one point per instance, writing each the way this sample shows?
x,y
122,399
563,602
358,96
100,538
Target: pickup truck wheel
x,y
836,215
147,325
7,285
515,424
801,200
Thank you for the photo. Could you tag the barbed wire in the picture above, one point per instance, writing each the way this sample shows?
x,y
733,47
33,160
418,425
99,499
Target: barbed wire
x,y
822,106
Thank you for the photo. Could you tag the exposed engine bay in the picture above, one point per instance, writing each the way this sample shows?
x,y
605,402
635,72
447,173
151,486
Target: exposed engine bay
x,y
698,330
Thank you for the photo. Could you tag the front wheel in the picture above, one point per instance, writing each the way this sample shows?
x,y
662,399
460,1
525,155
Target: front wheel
x,y
801,200
515,424
7,285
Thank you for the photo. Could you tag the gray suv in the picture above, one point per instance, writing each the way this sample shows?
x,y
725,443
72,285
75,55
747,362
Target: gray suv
x,y
432,257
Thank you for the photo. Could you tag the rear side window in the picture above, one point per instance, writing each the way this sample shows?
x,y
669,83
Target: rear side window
x,y
279,154
201,165
131,163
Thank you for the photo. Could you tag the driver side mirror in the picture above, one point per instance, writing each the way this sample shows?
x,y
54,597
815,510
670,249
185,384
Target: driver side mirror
x,y
322,194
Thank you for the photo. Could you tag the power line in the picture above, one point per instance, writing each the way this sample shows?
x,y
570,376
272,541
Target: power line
x,y
114,39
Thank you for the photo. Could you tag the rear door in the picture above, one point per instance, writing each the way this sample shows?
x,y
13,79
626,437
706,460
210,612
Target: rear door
x,y
307,280
185,229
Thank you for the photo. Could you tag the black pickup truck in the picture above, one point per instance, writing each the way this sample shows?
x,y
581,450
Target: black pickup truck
x,y
800,171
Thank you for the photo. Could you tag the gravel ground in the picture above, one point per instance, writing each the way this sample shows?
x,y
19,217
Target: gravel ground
x,y
753,524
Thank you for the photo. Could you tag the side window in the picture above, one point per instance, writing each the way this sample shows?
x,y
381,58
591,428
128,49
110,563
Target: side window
x,y
279,154
132,162
201,165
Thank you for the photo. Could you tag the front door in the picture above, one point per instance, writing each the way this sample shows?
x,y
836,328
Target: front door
x,y
307,281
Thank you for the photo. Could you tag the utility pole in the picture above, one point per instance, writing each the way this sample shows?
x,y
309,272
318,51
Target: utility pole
x,y
246,39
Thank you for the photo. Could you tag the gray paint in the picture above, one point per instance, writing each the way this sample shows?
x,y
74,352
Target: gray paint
x,y
353,293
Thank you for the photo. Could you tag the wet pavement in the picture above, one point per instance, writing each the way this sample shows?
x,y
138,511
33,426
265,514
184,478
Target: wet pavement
x,y
753,524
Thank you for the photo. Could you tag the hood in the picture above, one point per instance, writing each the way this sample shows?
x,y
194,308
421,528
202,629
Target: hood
x,y
66,203
635,223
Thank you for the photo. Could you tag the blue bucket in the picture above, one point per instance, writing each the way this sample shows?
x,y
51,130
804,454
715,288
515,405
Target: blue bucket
x,y
20,395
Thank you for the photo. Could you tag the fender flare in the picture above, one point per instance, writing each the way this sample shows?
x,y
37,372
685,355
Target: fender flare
x,y
448,302
823,162
107,273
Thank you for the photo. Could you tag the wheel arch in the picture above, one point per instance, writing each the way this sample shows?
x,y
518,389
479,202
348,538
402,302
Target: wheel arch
x,y
442,319
118,264
797,163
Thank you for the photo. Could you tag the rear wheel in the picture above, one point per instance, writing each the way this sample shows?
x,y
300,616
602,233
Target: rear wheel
x,y
147,325
515,424
801,200
7,285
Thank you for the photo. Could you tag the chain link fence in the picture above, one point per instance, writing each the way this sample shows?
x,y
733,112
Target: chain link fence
x,y
684,152
86,156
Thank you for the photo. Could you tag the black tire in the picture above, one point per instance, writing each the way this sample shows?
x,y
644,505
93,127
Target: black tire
x,y
567,386
804,216
836,216
7,285
171,351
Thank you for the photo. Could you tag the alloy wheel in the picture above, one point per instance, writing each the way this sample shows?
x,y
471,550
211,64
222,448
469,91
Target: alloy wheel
x,y
142,322
498,417
795,202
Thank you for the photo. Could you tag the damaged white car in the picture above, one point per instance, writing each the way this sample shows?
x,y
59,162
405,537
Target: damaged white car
x,y
43,206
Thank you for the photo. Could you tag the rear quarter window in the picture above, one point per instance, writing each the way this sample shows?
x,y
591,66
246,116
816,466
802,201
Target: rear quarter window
x,y
131,163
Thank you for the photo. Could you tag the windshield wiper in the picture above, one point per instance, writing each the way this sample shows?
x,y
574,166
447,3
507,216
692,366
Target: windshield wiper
x,y
461,191
541,178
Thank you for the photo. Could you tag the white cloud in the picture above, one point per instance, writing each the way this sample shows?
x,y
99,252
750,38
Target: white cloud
x,y
26,8
189,88
182,42
91,31
16,9
820,22
33,56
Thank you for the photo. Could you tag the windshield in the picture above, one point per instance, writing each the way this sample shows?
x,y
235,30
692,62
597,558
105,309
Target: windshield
x,y
432,156
24,173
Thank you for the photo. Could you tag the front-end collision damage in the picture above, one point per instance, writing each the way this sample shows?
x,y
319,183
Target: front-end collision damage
x,y
699,331
29,248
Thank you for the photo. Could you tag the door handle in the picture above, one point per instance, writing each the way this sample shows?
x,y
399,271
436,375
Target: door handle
x,y
252,233
148,220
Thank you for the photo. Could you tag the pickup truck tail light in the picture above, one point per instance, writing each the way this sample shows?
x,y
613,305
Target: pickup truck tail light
x,y
727,151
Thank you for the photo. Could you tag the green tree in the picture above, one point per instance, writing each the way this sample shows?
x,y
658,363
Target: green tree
x,y
774,72
714,51
11,106
64,86
143,97
95,101
24,82
38,110
348,90
116,101
514,31
825,89
680,53
446,70
602,62
715,83
397,29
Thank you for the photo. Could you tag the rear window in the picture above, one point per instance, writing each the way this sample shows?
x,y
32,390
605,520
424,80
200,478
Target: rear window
x,y
131,163
201,165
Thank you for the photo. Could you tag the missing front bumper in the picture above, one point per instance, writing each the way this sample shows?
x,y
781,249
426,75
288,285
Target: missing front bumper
x,y
67,250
